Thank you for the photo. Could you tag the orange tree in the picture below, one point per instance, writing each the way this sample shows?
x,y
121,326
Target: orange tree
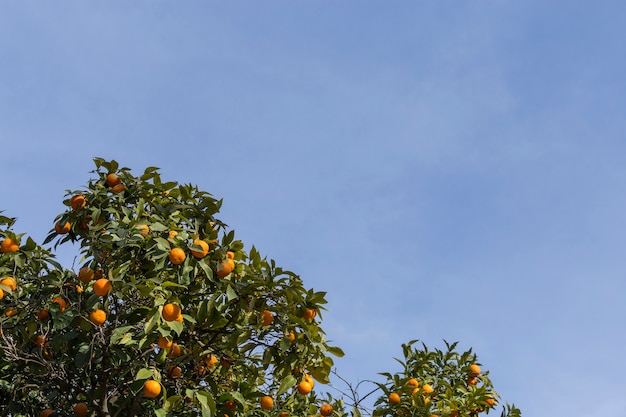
x,y
168,314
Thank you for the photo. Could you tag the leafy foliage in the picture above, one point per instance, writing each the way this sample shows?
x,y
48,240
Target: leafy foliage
x,y
216,325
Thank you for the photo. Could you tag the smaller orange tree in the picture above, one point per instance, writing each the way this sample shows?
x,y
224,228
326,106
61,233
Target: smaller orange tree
x,y
167,314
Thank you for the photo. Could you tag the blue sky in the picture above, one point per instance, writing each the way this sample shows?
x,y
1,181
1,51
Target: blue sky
x,y
444,169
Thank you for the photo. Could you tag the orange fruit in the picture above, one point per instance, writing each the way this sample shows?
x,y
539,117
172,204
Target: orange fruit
x,y
174,372
394,398
304,387
62,229
77,202
267,402
474,371
43,315
170,312
309,314
151,388
413,383
1,293
203,252
85,274
175,351
225,267
172,234
118,188
472,380
61,302
226,361
164,343
267,317
9,245
98,317
46,412
490,400
308,378
210,361
283,414
230,255
177,256
11,311
81,410
179,318
427,389
231,405
326,410
143,229
9,282
113,180
291,336
41,341
102,287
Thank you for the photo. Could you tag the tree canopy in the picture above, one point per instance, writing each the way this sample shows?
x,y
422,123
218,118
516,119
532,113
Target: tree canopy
x,y
168,314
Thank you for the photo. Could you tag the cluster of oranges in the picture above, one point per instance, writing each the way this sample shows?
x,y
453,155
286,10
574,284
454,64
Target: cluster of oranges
x,y
425,393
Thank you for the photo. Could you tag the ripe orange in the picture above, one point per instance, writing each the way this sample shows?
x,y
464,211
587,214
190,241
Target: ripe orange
x,y
394,398
46,412
9,245
283,414
226,361
304,387
205,249
474,371
177,256
164,343
472,380
143,229
77,202
98,317
102,287
267,402
81,410
210,361
170,312
291,336
172,234
231,405
1,293
62,229
112,180
85,274
308,378
61,302
326,410
10,312
41,341
43,315
309,314
175,351
490,400
174,372
230,255
151,388
267,317
225,267
413,383
9,282
118,188
427,389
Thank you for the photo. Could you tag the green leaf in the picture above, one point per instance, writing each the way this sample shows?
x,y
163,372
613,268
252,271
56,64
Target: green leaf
x,y
286,384
144,373
207,403
118,333
335,350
